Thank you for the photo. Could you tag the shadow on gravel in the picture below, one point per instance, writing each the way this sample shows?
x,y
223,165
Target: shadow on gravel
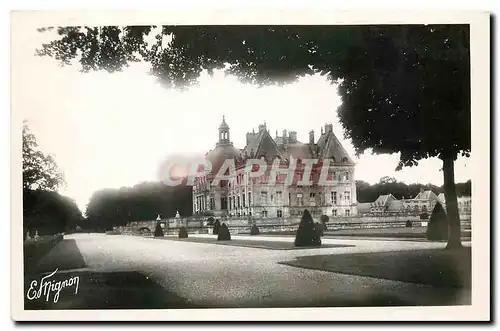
x,y
64,256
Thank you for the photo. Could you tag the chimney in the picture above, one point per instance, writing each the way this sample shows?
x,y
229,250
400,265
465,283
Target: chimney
x,y
284,134
328,128
321,130
293,136
311,137
262,127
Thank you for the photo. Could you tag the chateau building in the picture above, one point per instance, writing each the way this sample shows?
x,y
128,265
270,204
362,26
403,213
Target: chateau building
x,y
270,195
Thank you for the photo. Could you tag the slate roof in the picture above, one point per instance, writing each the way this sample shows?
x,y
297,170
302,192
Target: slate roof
x,y
384,200
426,195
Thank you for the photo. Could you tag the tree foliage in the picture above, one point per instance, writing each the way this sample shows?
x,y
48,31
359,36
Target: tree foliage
x,y
49,212
117,207
40,171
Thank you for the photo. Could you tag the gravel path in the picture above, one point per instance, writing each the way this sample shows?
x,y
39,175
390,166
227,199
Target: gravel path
x,y
227,276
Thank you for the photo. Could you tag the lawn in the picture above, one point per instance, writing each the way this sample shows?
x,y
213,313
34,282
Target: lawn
x,y
263,244
435,267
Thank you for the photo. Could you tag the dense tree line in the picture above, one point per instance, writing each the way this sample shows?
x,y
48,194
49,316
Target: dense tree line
x,y
388,185
144,201
44,210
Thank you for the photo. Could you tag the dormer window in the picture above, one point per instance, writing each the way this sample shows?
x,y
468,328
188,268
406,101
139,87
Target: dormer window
x,y
344,160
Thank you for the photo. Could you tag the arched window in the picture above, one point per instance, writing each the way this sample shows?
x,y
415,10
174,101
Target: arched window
x,y
344,160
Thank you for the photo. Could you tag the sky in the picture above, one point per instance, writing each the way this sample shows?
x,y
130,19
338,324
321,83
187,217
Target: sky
x,y
112,130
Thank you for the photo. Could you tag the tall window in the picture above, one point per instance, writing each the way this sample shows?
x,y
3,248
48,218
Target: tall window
x,y
300,200
212,203
346,176
334,212
279,197
230,206
239,205
263,197
347,212
264,213
223,203
279,213
347,197
244,202
289,199
249,199
334,198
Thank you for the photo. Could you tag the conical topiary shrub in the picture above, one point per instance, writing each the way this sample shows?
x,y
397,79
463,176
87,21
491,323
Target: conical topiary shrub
x,y
158,231
254,231
216,227
409,224
306,233
224,233
183,233
437,228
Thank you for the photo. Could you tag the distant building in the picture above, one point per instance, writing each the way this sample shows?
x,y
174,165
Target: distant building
x,y
382,204
244,196
424,202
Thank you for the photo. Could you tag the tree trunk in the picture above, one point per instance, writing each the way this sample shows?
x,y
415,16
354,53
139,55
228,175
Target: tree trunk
x,y
450,195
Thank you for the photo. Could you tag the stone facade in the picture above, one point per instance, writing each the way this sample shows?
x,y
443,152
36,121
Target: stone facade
x,y
270,196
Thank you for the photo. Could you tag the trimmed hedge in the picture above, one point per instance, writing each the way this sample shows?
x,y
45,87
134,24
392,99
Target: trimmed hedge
x,y
307,233
158,231
254,231
437,228
224,233
183,232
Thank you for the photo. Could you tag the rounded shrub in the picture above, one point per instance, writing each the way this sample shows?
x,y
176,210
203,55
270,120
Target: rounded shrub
x,y
306,233
158,231
437,228
183,233
324,218
216,227
319,229
409,224
224,233
254,231
424,216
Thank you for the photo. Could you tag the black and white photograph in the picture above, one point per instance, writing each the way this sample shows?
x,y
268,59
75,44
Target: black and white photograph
x,y
194,165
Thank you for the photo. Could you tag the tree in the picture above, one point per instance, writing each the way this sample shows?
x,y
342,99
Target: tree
x,y
48,212
40,171
400,85
117,207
